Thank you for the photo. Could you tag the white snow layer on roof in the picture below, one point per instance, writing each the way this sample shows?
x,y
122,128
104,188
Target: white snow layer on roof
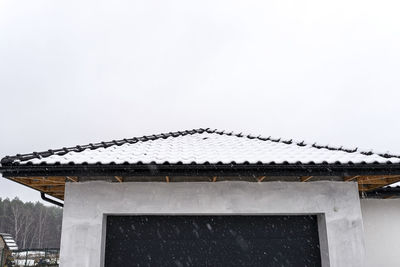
x,y
213,148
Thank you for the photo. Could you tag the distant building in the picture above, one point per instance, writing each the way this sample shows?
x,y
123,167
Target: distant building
x,y
212,198
7,246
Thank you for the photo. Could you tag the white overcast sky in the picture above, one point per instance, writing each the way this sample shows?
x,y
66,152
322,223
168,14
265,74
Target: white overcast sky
x,y
75,72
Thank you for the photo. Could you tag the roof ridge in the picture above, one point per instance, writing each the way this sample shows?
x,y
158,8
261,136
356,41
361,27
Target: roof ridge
x,y
7,160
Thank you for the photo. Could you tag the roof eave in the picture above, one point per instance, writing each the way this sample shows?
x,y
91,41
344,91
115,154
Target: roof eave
x,y
386,192
200,169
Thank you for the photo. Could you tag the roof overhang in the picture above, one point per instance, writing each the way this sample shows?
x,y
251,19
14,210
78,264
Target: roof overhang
x,y
51,179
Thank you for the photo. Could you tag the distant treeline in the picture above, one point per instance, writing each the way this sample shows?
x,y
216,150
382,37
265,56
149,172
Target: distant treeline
x,y
33,225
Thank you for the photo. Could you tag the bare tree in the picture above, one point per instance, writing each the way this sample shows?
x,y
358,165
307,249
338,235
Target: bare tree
x,y
33,225
27,228
41,225
17,219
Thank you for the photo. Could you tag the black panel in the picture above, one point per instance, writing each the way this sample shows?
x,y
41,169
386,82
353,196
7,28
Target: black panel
x,y
212,241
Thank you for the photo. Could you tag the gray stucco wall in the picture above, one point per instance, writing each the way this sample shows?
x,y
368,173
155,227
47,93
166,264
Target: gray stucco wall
x,y
382,231
86,204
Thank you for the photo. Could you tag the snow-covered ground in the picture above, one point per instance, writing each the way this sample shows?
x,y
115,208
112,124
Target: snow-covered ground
x,y
32,258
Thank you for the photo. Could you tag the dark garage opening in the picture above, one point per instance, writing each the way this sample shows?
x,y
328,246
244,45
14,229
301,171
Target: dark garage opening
x,y
212,241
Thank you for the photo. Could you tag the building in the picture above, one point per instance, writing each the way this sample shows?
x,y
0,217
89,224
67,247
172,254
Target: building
x,y
211,198
7,246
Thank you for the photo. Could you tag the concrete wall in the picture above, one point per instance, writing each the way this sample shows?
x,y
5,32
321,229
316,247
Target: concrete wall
x,y
382,231
337,203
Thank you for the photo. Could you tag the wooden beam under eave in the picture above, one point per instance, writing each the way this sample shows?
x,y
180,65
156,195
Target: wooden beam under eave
x,y
368,184
21,181
371,182
261,178
29,180
167,179
383,181
214,179
350,178
51,178
376,178
369,187
73,179
55,178
52,191
305,178
38,183
119,179
49,186
43,185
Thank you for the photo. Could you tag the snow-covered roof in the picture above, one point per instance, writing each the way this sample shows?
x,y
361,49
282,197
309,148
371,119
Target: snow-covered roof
x,y
11,244
201,146
199,154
